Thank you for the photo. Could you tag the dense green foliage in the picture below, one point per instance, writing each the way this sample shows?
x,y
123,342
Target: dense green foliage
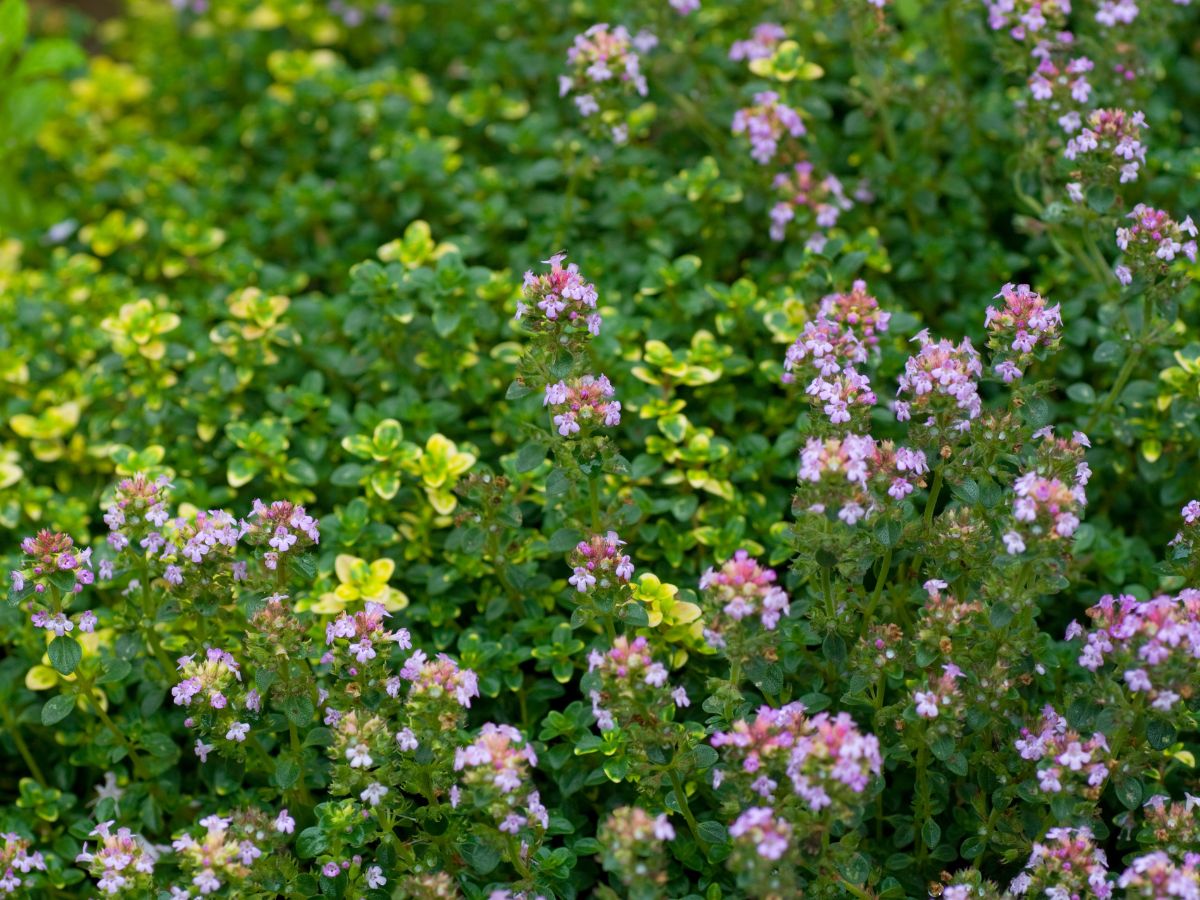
x,y
275,250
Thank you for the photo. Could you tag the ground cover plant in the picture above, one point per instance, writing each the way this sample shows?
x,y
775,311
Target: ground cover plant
x,y
658,450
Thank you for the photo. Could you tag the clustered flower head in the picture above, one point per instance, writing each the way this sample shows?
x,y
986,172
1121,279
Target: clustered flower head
x,y
495,767
432,680
1026,19
52,564
850,475
632,841
582,403
941,696
1044,508
1158,876
630,682
765,123
742,588
762,831
282,526
858,311
841,394
1062,82
122,860
1023,325
940,384
1171,823
1110,138
761,44
1153,241
1154,644
599,564
361,743
561,297
800,189
216,857
139,504
15,858
826,346
826,759
365,631
1067,863
604,69
209,678
1066,761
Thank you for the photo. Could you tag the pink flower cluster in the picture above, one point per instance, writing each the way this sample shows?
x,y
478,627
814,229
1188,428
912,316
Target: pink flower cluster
x,y
139,503
15,857
217,858
499,757
562,296
365,630
857,310
826,758
761,44
47,554
1111,133
1154,239
436,678
1066,761
495,766
583,402
630,682
851,473
940,384
765,123
743,588
800,189
599,563
1024,324
122,860
632,839
826,346
1156,875
210,678
942,694
283,526
1189,531
1044,507
1155,644
605,67
1067,863
759,828
1027,18
1054,82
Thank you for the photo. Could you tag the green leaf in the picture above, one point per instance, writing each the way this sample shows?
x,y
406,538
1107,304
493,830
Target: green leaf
x,y
114,670
1160,734
1129,792
931,833
517,390
298,709
14,25
634,615
287,772
479,856
1109,352
712,833
65,654
57,708
530,456
50,56
1081,392
311,842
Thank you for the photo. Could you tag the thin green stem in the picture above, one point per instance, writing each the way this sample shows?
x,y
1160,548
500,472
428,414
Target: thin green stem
x,y
934,490
1123,377
684,807
112,726
827,592
14,729
594,499
150,616
884,568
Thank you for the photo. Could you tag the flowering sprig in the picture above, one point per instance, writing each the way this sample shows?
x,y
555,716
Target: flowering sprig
x,y
1109,142
1026,20
1066,761
1044,509
558,301
598,564
1024,326
939,387
1065,863
858,311
122,862
1154,645
213,856
850,476
1156,875
823,763
765,124
1153,242
732,597
16,861
494,769
582,405
632,841
821,200
761,44
604,71
630,688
